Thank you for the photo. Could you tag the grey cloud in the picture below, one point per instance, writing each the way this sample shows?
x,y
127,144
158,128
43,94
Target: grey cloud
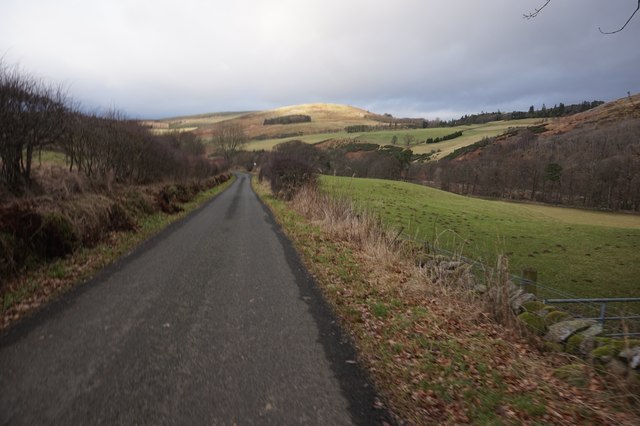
x,y
157,58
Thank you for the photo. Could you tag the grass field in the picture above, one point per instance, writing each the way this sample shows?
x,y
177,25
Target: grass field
x,y
580,252
49,157
470,134
268,144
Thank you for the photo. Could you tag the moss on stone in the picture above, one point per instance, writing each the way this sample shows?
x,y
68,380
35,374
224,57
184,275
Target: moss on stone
x,y
554,317
533,306
621,345
573,344
533,322
603,341
602,353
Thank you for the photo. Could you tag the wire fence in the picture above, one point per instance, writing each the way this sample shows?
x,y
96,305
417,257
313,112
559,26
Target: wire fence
x,y
619,317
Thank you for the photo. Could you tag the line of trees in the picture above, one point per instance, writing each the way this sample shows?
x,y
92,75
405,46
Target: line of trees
x,y
445,137
35,116
287,119
559,110
351,159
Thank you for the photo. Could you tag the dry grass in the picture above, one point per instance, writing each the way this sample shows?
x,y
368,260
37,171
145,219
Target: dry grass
x,y
627,107
436,355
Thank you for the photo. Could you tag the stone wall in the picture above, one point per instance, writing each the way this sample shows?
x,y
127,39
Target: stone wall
x,y
560,331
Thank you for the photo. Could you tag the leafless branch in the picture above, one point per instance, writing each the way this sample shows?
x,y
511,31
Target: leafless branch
x,y
536,11
625,24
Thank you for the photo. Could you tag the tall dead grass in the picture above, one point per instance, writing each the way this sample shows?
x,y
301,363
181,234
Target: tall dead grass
x,y
386,254
341,220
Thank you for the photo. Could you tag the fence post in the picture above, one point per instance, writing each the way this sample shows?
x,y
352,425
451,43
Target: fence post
x,y
603,312
530,277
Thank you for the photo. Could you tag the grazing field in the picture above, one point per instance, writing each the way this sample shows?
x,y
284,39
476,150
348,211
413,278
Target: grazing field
x,y
268,144
191,123
470,135
50,157
588,254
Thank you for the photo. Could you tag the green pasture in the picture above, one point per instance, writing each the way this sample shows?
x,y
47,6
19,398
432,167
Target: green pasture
x,y
49,157
268,144
470,134
585,253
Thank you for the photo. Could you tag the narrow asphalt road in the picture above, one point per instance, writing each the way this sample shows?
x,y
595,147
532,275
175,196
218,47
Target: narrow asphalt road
x,y
214,321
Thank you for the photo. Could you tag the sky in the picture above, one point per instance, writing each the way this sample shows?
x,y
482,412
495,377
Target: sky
x,y
410,58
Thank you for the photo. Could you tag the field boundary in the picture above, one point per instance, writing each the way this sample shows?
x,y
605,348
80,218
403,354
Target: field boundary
x,y
579,307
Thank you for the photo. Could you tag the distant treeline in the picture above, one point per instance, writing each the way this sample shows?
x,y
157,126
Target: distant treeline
x,y
287,119
361,128
560,110
481,118
35,116
398,123
350,158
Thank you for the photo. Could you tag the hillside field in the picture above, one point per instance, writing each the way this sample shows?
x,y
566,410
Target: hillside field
x,y
584,253
328,122
470,135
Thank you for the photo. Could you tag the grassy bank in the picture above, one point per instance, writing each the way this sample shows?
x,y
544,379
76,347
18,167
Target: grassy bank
x,y
37,285
584,253
435,354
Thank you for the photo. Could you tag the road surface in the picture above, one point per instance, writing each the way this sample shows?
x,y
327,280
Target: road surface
x,y
214,321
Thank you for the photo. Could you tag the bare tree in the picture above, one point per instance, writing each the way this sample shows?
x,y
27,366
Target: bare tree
x,y
228,139
546,3
33,115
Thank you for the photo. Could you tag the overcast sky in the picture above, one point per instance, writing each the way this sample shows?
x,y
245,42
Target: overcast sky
x,y
428,58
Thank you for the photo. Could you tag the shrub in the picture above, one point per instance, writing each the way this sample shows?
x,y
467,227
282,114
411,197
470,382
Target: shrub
x,y
166,200
136,202
120,219
55,238
287,175
8,264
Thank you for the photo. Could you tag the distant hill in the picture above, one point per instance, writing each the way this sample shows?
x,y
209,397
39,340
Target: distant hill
x,y
611,112
192,122
590,159
324,118
288,121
